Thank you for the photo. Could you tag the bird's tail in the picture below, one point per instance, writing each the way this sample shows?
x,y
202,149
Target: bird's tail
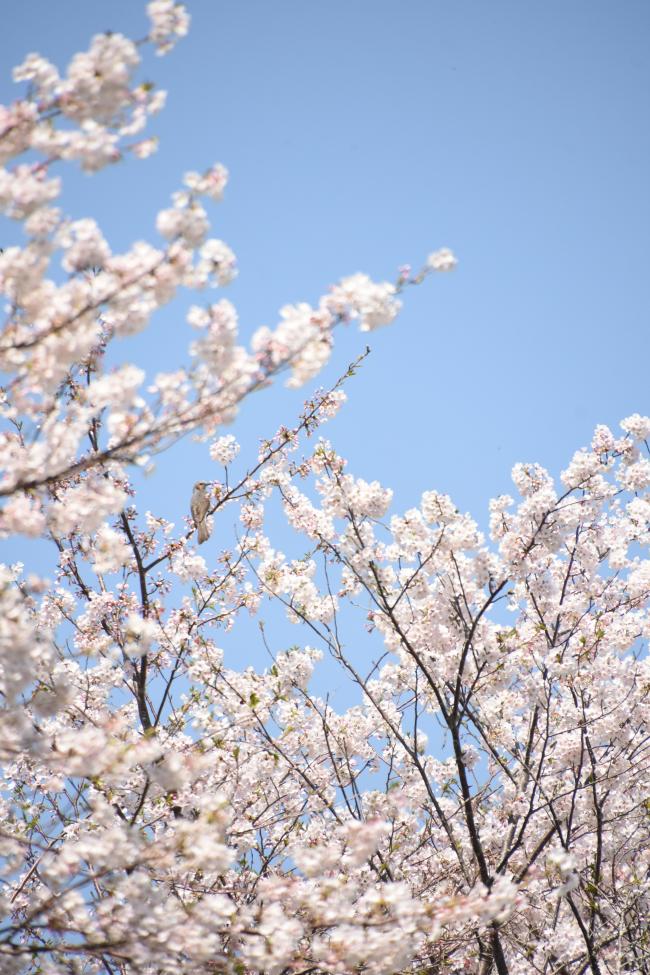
x,y
204,531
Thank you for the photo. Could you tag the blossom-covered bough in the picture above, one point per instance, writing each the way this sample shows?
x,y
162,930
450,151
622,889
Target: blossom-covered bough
x,y
483,806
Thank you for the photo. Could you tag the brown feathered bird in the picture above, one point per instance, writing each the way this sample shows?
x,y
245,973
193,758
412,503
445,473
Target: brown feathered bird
x,y
199,506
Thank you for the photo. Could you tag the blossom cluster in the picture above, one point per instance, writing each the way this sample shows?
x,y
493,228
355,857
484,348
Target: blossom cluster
x,y
477,798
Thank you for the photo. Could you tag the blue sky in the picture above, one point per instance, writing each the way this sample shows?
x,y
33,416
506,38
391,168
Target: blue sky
x,y
361,136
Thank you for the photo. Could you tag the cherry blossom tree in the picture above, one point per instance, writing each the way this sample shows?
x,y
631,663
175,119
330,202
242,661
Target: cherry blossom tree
x,y
483,806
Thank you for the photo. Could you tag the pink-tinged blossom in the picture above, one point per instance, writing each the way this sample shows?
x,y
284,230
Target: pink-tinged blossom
x,y
39,72
217,265
442,260
637,426
438,508
42,222
145,148
252,516
111,550
212,183
216,347
224,450
636,476
22,515
302,337
93,146
84,246
358,297
331,403
84,506
26,189
603,440
116,389
186,564
187,222
97,81
362,841
17,123
169,22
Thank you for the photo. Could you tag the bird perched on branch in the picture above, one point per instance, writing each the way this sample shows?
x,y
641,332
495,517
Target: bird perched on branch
x,y
200,506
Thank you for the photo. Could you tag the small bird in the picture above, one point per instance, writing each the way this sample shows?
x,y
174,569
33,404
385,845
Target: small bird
x,y
199,506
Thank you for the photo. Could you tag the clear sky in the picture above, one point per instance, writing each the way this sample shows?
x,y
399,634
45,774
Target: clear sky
x,y
361,135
